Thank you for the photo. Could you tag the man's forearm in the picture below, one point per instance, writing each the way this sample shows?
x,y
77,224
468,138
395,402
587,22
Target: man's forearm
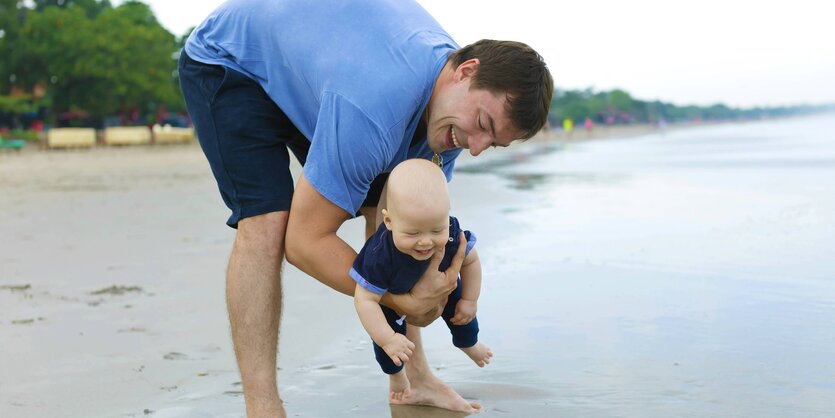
x,y
327,258
311,241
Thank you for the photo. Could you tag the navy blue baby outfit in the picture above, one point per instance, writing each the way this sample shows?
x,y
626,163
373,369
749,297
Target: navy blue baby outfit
x,y
380,267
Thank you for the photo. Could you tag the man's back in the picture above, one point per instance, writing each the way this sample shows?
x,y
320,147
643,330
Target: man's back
x,y
381,56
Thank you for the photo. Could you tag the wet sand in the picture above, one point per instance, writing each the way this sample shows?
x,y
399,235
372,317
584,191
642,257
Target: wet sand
x,y
683,274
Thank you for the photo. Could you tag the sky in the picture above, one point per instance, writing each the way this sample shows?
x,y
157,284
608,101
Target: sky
x,y
738,52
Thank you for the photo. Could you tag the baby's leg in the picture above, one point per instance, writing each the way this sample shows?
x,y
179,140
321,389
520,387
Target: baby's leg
x,y
465,336
399,387
479,353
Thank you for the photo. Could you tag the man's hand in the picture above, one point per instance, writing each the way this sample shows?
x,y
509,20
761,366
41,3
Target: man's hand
x,y
429,295
399,348
464,312
426,318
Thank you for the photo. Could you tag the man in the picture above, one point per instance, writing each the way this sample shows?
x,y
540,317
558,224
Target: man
x,y
352,88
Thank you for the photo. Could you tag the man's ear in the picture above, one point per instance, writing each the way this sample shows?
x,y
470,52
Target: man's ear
x,y
467,69
387,219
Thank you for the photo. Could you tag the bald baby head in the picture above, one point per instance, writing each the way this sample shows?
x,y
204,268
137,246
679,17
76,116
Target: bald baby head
x,y
418,185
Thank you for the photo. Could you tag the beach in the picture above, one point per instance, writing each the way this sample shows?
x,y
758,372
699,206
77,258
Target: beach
x,y
685,273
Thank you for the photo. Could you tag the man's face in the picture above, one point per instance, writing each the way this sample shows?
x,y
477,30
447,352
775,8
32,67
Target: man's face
x,y
460,117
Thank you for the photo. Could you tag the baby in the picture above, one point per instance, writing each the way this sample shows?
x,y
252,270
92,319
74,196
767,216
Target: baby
x,y
417,233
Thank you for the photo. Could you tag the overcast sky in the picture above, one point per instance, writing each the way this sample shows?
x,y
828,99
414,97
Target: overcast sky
x,y
738,52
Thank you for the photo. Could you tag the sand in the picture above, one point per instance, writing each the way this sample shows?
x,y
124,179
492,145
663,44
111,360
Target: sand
x,y
675,274
112,277
111,282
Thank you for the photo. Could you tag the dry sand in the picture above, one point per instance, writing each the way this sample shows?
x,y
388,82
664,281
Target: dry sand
x,y
111,282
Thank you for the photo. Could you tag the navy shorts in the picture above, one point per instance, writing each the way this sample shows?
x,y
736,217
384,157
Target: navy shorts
x,y
246,139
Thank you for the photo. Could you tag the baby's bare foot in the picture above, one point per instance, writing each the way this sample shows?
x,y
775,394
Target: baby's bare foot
x,y
399,386
480,354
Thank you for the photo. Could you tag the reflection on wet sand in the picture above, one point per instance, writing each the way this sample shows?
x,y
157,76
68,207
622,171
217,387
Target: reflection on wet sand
x,y
408,411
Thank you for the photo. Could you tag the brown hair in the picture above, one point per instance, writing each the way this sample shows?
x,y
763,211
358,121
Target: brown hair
x,y
517,70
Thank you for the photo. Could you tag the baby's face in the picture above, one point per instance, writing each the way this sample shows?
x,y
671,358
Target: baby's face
x,y
418,233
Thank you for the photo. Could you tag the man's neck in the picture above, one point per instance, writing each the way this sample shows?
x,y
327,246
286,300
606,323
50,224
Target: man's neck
x,y
441,82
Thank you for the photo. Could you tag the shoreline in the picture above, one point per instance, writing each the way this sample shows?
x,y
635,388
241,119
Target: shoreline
x,y
599,132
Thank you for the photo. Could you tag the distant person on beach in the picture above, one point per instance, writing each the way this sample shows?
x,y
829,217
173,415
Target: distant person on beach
x,y
589,125
352,88
417,234
568,127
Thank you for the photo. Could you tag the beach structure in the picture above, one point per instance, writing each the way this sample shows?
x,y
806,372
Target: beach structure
x,y
127,135
71,138
14,144
171,135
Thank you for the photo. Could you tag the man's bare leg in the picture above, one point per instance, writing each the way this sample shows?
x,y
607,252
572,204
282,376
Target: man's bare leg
x,y
426,389
253,298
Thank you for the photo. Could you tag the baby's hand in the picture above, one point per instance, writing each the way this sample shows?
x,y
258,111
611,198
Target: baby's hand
x,y
464,312
399,348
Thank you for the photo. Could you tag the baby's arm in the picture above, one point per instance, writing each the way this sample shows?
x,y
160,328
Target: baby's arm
x,y
397,346
466,308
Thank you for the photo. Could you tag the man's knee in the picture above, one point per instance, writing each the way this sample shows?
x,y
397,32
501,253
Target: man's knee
x,y
264,232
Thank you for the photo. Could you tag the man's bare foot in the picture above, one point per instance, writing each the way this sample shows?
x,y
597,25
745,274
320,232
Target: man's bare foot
x,y
431,391
399,386
480,354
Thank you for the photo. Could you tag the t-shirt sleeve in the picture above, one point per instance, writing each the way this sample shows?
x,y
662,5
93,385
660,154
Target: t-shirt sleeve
x,y
370,269
346,153
471,240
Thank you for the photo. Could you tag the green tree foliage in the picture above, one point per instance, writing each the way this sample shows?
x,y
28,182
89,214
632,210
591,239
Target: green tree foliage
x,y
618,107
10,18
16,104
96,59
91,8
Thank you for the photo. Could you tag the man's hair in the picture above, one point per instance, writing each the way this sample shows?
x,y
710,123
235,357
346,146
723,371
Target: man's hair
x,y
518,71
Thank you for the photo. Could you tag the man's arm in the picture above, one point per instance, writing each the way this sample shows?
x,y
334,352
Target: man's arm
x,y
397,346
311,241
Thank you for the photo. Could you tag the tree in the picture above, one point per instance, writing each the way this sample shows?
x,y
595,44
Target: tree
x,y
91,8
118,59
10,18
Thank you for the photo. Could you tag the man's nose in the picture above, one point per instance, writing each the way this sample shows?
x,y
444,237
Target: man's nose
x,y
478,143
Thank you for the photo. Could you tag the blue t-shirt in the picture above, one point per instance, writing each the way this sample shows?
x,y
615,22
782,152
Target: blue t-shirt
x,y
354,76
380,267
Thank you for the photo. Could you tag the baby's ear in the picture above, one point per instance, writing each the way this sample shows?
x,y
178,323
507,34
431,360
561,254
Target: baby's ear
x,y
386,219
